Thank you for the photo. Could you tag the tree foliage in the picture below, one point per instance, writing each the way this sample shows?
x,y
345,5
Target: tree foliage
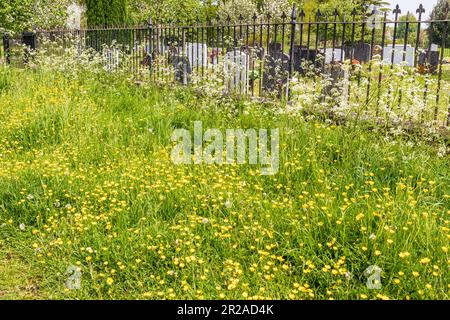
x,y
412,28
169,10
436,30
20,15
106,12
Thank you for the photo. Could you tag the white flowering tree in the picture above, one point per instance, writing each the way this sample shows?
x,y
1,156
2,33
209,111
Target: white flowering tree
x,y
20,15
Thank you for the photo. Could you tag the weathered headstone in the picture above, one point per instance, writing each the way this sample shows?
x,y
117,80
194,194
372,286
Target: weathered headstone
x,y
214,56
276,72
302,55
422,58
334,56
254,52
433,61
361,52
197,53
147,61
399,54
274,48
428,61
276,69
434,58
237,71
335,73
182,69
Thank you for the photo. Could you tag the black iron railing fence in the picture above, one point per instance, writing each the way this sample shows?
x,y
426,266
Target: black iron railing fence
x,y
263,56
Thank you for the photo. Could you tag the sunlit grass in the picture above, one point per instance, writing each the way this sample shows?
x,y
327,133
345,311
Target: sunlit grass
x,y
86,179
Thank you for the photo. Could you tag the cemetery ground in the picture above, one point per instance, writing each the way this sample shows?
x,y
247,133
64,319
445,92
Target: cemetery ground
x,y
92,206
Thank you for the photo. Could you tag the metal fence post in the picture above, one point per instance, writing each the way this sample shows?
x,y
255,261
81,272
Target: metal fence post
x,y
6,48
184,48
448,113
150,49
291,44
419,11
444,37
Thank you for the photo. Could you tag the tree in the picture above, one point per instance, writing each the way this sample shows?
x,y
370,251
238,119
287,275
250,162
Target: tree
x,y
236,8
170,10
15,15
412,28
106,12
344,6
20,15
436,30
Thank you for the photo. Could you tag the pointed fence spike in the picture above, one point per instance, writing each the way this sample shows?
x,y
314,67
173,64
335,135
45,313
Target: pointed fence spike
x,y
420,10
302,14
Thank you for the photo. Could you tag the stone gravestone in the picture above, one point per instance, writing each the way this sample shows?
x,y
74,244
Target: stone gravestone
x,y
197,54
182,69
361,52
338,54
255,52
276,69
274,48
336,73
236,71
398,55
301,55
422,58
429,61
434,61
434,58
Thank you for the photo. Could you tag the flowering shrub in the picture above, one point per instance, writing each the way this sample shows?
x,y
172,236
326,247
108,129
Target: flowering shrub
x,y
403,99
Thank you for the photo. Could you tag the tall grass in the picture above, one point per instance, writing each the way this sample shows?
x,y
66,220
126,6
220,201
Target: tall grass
x,y
86,180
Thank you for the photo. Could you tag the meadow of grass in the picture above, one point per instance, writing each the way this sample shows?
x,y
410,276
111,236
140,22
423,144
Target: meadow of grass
x,y
86,180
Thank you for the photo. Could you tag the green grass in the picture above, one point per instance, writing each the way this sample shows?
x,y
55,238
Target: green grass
x,y
84,182
447,52
17,278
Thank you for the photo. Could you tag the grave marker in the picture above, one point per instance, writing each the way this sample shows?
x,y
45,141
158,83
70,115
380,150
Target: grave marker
x,y
236,71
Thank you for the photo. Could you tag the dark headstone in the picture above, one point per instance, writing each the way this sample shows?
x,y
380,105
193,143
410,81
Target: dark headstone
x,y
274,48
429,61
301,55
360,51
29,40
422,58
254,52
276,70
336,73
434,61
182,68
